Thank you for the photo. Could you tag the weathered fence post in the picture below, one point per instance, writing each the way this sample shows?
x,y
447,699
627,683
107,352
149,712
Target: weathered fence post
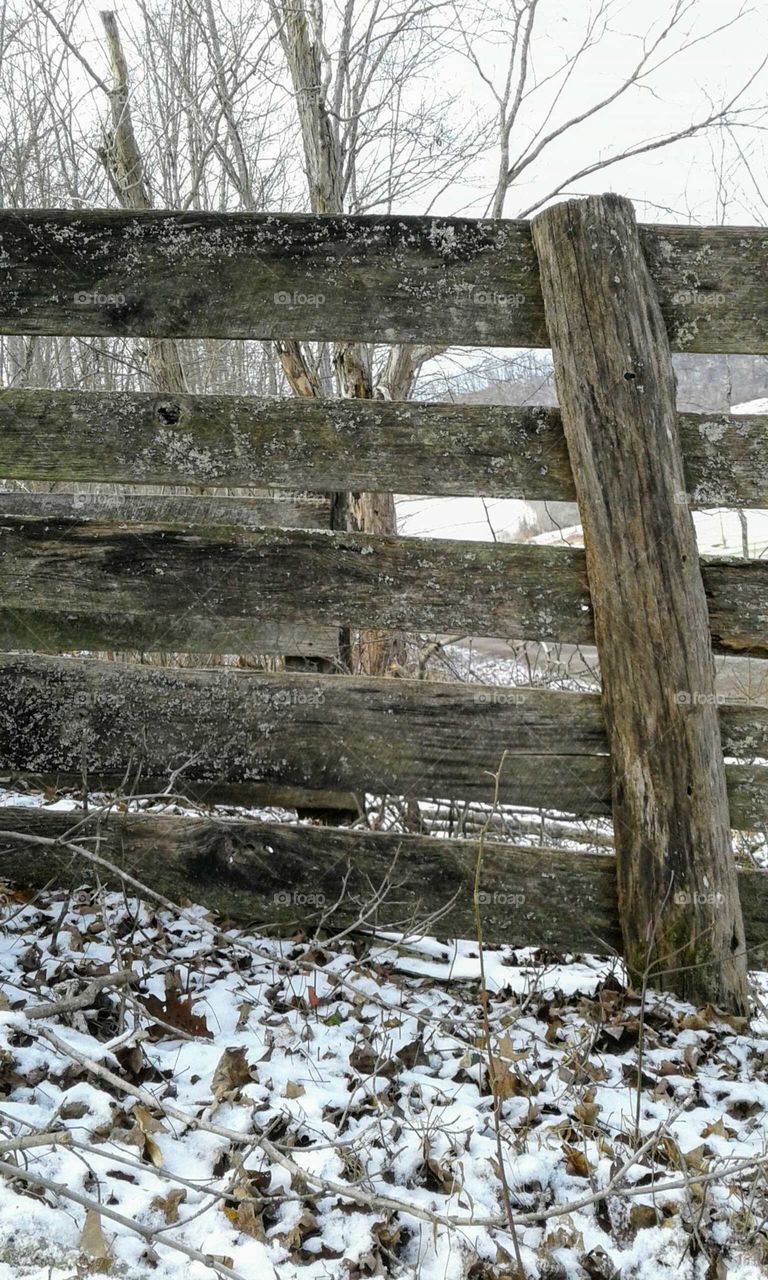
x,y
678,898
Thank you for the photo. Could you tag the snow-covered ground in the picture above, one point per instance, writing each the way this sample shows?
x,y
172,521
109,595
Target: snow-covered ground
x,y
751,406
719,531
300,1111
471,519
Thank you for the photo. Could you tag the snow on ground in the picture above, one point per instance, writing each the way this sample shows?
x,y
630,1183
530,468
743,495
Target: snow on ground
x,y
470,519
719,531
365,1066
751,406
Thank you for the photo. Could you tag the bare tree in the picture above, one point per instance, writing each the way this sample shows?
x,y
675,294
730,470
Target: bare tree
x,y
529,108
340,93
124,165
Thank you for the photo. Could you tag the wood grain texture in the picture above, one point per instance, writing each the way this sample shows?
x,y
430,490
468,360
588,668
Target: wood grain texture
x,y
366,445
333,733
331,445
302,511
283,875
91,584
373,278
678,897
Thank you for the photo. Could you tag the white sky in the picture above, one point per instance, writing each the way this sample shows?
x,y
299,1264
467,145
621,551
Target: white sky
x,y
670,185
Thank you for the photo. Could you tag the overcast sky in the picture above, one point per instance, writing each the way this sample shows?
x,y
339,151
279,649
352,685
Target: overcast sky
x,y
672,184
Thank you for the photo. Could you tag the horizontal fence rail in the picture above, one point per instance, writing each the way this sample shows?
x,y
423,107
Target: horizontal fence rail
x,y
69,584
304,511
258,871
418,738
369,279
408,447
343,806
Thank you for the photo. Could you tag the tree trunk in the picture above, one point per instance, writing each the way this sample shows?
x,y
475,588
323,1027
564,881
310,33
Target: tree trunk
x,y
372,652
125,169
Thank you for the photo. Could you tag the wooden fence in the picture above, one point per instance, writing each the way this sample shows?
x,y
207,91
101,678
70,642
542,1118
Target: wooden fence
x,y
266,575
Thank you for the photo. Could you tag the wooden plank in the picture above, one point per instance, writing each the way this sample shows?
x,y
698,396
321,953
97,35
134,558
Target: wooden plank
x,y
333,733
207,794
678,895
366,445
300,512
330,445
747,794
372,279
280,875
68,584
725,459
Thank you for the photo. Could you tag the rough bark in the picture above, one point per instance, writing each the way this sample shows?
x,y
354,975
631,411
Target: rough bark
x,y
678,897
124,164
319,143
372,653
301,36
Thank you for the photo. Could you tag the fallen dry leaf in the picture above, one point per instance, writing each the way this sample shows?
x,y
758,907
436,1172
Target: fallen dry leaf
x,y
169,1205
245,1218
575,1161
141,1135
231,1073
176,1011
93,1241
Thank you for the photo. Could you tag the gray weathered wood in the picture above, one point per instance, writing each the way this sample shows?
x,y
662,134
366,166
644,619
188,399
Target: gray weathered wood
x,y
331,445
409,447
332,733
302,511
374,278
280,875
85,584
725,458
678,896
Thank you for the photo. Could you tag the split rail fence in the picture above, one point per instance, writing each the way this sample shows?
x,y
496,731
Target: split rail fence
x,y
234,575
